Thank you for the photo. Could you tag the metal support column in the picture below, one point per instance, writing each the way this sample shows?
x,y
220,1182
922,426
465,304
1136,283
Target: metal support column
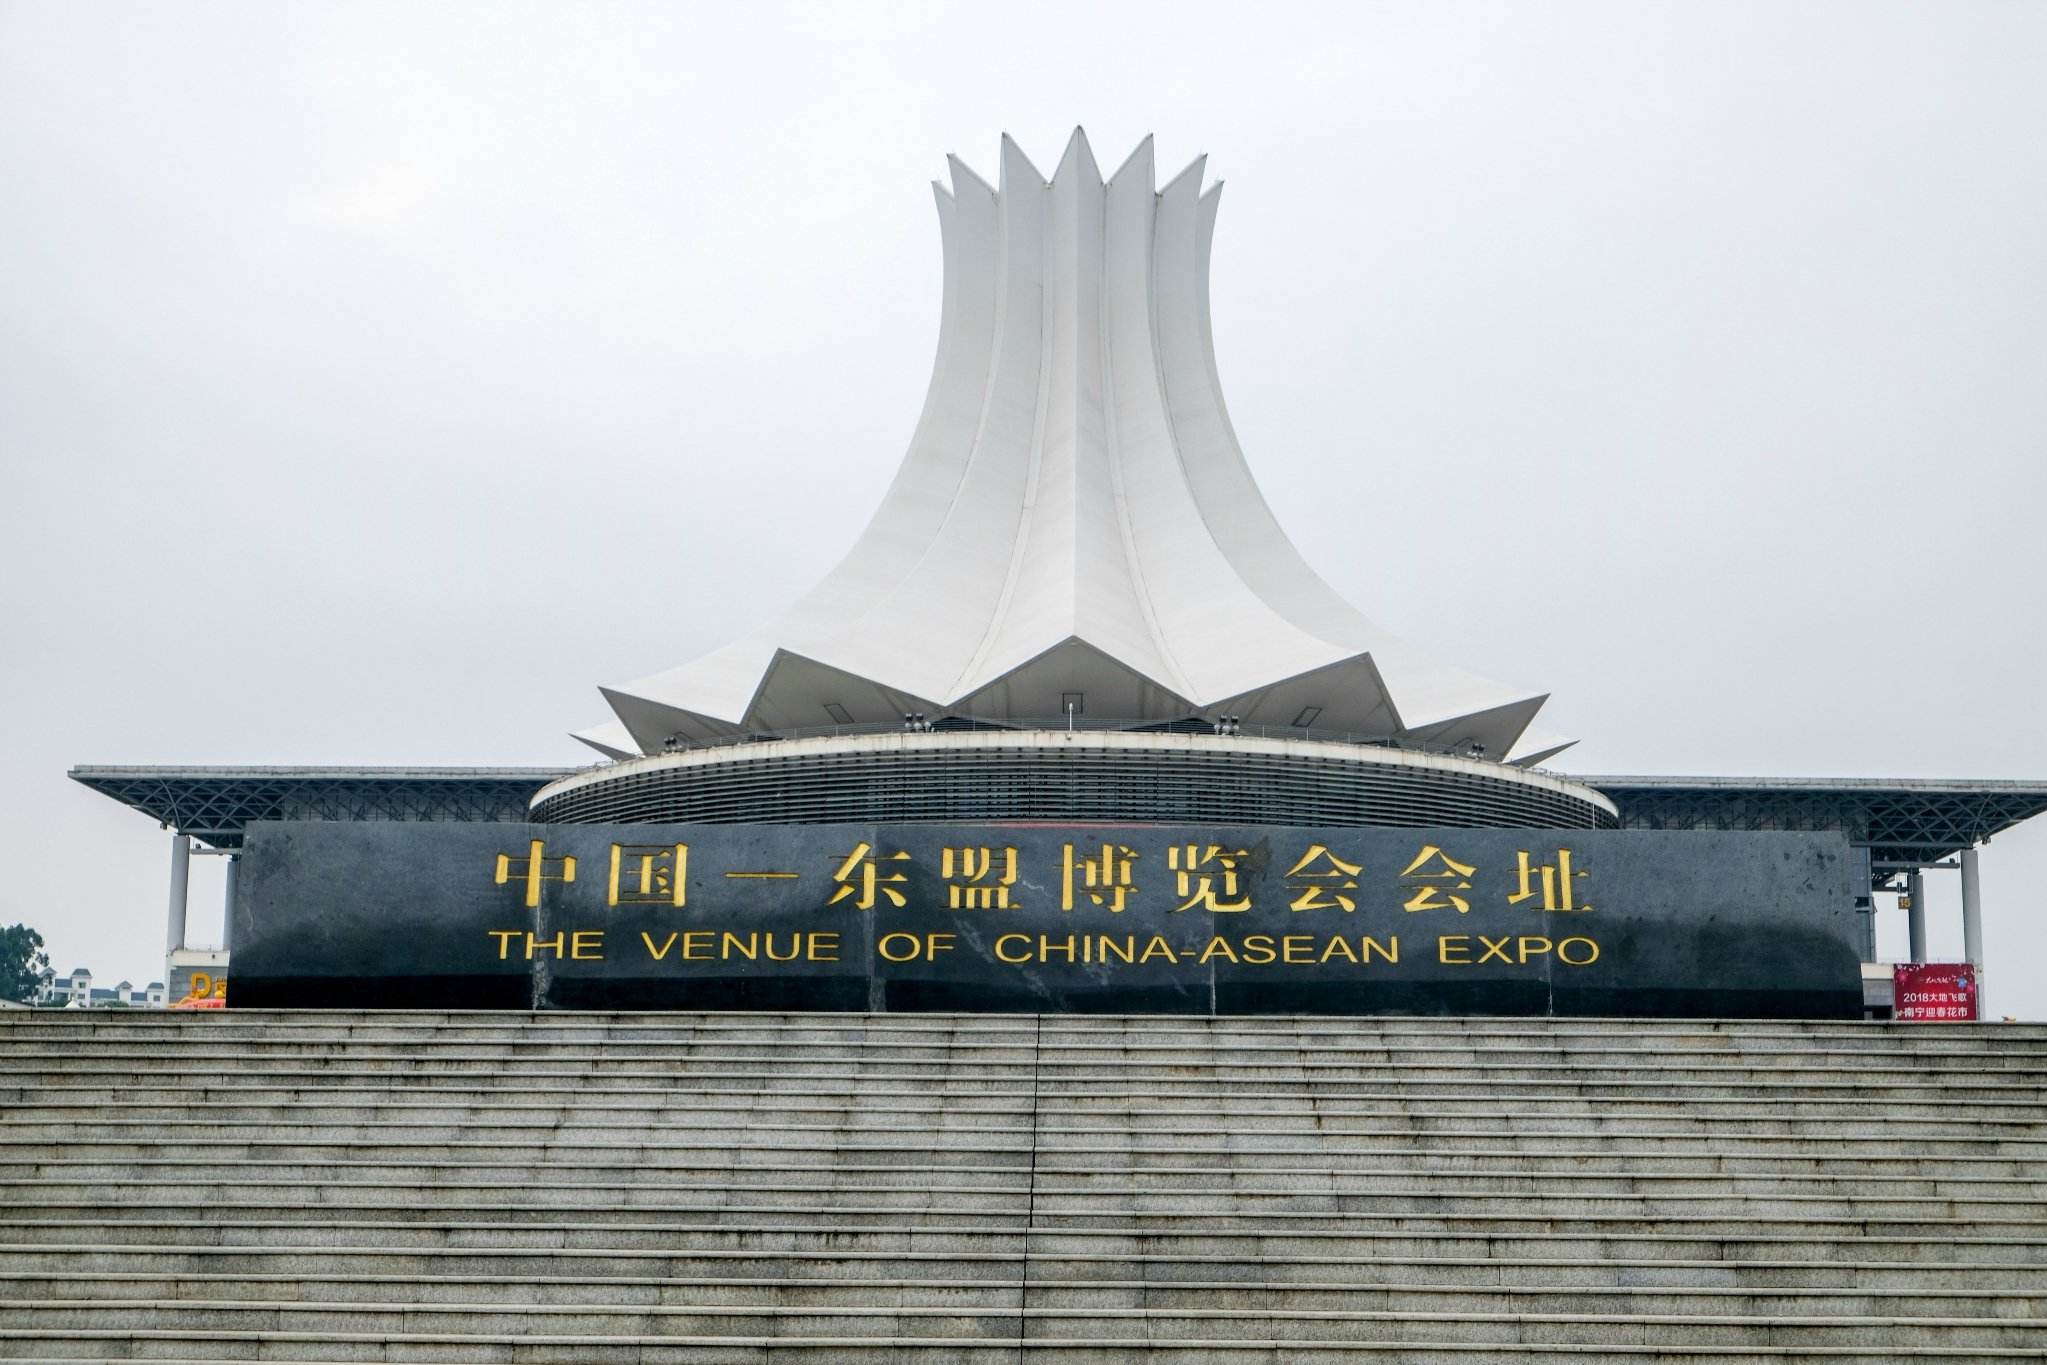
x,y
1972,908
227,910
181,880
1865,901
1915,885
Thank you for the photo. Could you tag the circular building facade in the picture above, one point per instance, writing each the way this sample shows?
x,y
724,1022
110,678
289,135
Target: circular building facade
x,y
1102,776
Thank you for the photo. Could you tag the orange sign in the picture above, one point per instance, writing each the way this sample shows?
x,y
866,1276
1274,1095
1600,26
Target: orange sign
x,y
208,992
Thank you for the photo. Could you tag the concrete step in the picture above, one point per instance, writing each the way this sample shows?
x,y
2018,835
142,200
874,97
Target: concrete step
x,y
904,1188
2004,1111
493,1091
990,1295
1084,1066
834,1212
999,1168
1243,1156
409,1229
1053,1058
451,1186
1304,1048
1663,1033
610,1114
1608,1050
1211,1170
1243,1150
1819,1068
1629,1266
358,1320
62,1181
629,1105
748,1221
30,1271
202,1348
1219,1148
1051,1208
1212,1065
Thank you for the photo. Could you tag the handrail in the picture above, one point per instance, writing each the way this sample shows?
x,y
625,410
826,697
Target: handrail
x,y
957,724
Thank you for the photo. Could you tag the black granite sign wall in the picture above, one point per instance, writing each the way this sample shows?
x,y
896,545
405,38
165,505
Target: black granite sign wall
x,y
1037,918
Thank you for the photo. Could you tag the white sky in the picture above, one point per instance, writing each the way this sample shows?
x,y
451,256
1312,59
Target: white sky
x,y
376,380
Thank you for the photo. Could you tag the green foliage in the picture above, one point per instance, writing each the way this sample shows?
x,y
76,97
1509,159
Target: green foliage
x,y
24,966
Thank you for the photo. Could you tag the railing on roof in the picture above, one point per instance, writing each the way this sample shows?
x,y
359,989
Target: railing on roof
x,y
966,724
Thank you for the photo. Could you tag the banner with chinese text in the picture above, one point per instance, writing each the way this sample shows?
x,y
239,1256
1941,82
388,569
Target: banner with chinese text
x,y
1934,991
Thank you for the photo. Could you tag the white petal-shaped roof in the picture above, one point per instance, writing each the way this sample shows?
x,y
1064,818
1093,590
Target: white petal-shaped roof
x,y
1074,516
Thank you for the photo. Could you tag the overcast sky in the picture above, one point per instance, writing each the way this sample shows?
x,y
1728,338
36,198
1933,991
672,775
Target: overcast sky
x,y
377,380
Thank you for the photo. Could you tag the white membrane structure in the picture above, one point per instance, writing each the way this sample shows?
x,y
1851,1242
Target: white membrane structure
x,y
1074,529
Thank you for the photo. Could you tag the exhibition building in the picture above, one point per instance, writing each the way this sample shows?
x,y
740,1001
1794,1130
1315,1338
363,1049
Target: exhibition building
x,y
1071,932
1073,623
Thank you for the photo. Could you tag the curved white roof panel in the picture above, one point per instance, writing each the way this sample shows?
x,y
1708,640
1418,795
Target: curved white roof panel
x,y
1074,516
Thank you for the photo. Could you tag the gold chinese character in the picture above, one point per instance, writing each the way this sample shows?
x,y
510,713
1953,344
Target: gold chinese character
x,y
870,879
990,873
1556,881
1322,890
1198,887
1108,880
533,870
1435,885
648,874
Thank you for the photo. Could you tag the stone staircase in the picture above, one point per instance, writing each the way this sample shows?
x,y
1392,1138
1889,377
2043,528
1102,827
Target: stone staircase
x,y
341,1186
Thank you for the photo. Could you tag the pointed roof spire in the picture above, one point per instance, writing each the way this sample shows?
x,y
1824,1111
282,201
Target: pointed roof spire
x,y
1078,159
1074,518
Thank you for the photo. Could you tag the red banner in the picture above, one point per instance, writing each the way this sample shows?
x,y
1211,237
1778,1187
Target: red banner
x,y
1941,992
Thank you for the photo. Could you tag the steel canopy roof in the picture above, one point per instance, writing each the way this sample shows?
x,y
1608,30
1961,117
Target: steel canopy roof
x,y
214,804
1903,821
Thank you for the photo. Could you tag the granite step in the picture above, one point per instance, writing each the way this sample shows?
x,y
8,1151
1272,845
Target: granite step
x,y
451,1186
1820,1072
1499,1128
208,1348
1222,1321
405,1228
1241,1159
669,1262
1366,1294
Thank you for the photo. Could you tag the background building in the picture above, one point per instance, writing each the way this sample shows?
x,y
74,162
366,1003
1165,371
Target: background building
x,y
75,990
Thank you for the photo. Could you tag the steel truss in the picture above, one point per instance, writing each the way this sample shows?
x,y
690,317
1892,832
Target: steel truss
x,y
214,805
1903,824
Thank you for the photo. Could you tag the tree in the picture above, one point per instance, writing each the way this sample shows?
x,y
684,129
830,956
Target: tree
x,y
24,966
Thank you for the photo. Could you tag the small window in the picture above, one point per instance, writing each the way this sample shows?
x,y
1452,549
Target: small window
x,y
1071,703
1307,716
838,713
